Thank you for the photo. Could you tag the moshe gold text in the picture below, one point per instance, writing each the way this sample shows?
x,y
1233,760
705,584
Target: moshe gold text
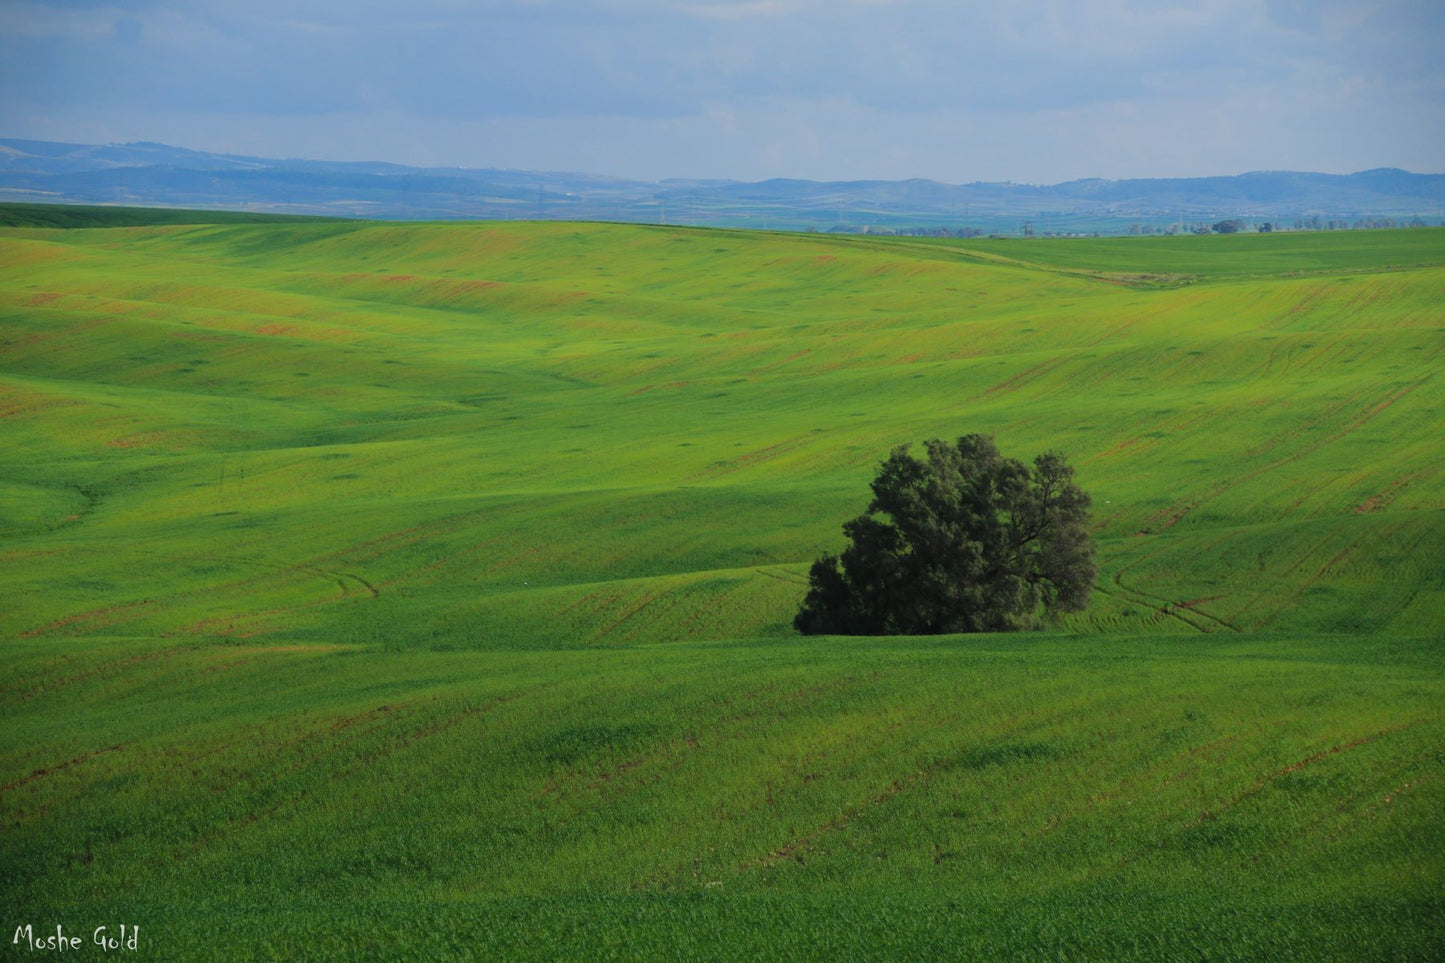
x,y
127,938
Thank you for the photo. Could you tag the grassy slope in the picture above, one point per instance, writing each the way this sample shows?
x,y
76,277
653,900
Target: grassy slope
x,y
530,478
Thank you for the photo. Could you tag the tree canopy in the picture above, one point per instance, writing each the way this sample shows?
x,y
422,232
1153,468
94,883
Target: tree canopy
x,y
964,540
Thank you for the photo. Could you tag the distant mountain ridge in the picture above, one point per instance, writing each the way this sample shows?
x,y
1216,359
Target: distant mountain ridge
x,y
150,174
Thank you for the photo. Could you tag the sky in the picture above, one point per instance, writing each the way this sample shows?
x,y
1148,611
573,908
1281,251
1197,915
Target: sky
x,y
1030,91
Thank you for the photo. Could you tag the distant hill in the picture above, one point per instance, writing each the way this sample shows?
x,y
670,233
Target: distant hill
x,y
148,174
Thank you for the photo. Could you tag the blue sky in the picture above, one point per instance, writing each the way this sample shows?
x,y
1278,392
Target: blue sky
x,y
1035,91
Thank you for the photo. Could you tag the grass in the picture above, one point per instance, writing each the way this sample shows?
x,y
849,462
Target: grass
x,y
383,590
1024,796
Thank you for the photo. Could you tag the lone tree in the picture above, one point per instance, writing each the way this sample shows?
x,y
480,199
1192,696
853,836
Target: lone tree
x,y
974,542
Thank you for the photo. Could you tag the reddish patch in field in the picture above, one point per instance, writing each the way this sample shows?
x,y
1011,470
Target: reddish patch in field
x,y
1176,516
751,458
224,666
1358,421
222,627
1329,567
713,603
671,384
361,552
626,614
1310,760
1023,377
43,297
346,722
1311,297
46,685
196,336
796,848
612,782
442,725
1116,332
1116,449
788,360
147,439
41,773
512,561
36,338
1379,501
297,647
95,618
257,653
277,330
1386,403
456,288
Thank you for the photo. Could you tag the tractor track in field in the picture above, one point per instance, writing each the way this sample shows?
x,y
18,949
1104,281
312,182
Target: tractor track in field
x,y
1265,781
22,692
796,848
781,578
350,584
1023,378
1170,517
1259,785
921,774
1167,607
1173,608
1332,821
297,762
44,771
100,618
90,501
344,580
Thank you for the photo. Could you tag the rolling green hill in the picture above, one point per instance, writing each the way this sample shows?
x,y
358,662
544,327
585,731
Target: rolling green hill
x,y
378,589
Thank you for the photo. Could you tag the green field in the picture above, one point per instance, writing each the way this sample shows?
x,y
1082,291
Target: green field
x,y
379,590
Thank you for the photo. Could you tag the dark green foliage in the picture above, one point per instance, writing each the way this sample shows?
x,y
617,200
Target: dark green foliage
x,y
974,542
92,216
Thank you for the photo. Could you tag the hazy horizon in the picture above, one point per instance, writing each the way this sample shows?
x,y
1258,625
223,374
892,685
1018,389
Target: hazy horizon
x,y
1037,92
662,180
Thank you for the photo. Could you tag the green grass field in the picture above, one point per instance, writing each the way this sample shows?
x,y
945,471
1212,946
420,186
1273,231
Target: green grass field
x,y
378,590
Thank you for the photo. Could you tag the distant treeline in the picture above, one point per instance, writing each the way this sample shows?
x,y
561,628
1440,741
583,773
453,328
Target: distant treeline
x,y
22,214
87,215
910,231
1235,225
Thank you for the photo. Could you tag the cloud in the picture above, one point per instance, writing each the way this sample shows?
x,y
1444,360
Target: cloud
x,y
760,84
